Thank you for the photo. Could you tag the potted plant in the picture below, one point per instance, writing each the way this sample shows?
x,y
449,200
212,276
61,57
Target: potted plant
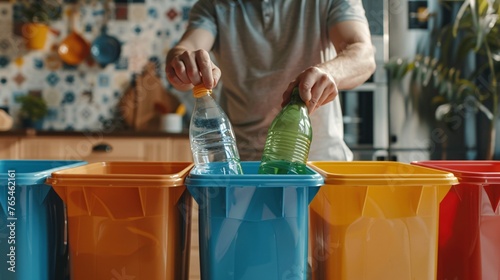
x,y
36,16
461,69
33,110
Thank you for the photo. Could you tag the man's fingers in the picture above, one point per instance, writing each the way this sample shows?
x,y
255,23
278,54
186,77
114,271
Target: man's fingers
x,y
180,69
305,87
204,64
328,99
216,75
192,71
172,77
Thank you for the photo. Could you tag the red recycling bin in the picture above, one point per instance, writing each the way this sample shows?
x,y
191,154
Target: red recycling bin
x,y
469,222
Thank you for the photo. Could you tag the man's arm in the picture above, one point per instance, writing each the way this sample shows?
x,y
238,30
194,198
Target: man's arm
x,y
189,63
352,66
355,60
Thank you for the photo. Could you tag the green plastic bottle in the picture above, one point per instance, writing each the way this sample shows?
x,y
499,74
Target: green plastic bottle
x,y
288,140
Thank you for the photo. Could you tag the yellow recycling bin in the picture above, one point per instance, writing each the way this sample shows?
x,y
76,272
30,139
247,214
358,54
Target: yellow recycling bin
x,y
376,220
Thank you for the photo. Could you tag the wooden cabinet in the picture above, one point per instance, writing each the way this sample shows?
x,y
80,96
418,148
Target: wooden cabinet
x,y
194,262
180,149
93,149
9,148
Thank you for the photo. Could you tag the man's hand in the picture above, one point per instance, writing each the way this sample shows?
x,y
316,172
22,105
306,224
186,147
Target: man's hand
x,y
189,62
316,87
187,68
352,66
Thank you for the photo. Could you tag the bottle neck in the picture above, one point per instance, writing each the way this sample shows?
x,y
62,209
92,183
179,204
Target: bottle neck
x,y
295,97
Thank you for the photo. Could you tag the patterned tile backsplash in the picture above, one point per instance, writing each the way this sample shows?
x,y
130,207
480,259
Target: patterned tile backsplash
x,y
85,96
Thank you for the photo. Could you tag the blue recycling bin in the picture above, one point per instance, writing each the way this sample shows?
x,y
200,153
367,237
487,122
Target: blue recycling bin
x,y
253,226
32,221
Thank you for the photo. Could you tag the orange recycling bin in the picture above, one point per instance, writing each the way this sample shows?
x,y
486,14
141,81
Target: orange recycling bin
x,y
376,220
469,225
127,220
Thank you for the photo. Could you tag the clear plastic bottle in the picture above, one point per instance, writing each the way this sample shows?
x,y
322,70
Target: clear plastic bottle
x,y
212,139
288,140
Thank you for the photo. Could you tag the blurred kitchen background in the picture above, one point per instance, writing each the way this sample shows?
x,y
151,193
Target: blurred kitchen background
x,y
384,119
86,95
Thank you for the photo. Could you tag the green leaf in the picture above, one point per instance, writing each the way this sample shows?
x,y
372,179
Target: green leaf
x,y
486,24
493,40
32,107
463,9
443,90
430,70
435,80
474,12
398,68
483,6
446,42
465,46
449,89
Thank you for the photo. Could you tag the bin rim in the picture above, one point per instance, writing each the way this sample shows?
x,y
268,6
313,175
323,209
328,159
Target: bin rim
x,y
39,176
314,179
430,177
456,167
77,176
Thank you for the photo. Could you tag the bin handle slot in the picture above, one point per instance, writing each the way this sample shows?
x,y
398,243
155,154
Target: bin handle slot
x,y
102,148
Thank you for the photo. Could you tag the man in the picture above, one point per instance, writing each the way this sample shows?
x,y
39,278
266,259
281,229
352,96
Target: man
x,y
264,48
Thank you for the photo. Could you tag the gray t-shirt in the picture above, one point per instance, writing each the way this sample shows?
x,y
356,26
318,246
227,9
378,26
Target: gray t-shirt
x,y
261,46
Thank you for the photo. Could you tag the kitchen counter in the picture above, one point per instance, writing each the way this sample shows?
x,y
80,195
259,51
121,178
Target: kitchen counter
x,y
93,146
121,133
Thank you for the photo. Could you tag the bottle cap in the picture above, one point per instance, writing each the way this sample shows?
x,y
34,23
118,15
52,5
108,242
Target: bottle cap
x,y
200,91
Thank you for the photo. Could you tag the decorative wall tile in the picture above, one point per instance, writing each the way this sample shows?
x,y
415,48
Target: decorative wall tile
x,y
52,114
172,14
70,79
53,61
4,61
69,98
35,79
38,63
88,27
19,61
52,96
11,46
129,1
185,12
103,80
147,29
137,29
6,11
153,13
105,99
121,11
52,79
19,79
122,64
137,12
